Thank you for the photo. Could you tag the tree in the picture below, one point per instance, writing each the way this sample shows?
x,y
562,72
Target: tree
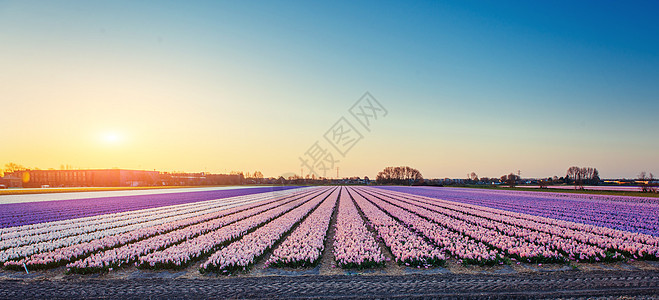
x,y
512,179
257,176
399,175
574,174
580,176
596,176
647,182
12,167
473,176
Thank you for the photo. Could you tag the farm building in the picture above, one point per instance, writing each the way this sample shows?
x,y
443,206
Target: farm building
x,y
108,177
115,177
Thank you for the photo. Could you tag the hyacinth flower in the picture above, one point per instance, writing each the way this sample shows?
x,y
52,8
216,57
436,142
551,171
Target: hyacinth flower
x,y
508,244
180,247
60,256
18,214
105,238
550,221
244,252
354,245
632,214
469,251
31,234
305,245
571,239
406,246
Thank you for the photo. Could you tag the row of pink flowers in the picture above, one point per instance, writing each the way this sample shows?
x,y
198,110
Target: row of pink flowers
x,y
54,226
563,232
591,232
182,254
571,248
60,256
458,245
244,252
100,224
625,236
598,210
595,198
406,246
45,227
572,238
597,218
68,223
123,255
354,245
511,245
54,244
305,245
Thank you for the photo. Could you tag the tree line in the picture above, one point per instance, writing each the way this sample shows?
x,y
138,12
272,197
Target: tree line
x,y
580,176
399,175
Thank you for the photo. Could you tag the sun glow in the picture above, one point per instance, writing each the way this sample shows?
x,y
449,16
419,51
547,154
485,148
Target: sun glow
x,y
111,138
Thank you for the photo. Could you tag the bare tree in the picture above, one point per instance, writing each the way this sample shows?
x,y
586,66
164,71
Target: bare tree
x,y
12,167
510,179
580,176
642,179
652,185
399,175
473,176
258,176
595,176
647,182
574,174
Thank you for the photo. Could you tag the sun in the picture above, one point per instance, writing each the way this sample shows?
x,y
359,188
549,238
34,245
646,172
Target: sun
x,y
111,138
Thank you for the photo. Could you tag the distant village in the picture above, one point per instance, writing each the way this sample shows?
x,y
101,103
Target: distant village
x,y
137,178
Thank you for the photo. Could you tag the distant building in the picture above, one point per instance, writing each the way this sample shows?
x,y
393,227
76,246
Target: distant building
x,y
70,178
114,178
11,181
201,179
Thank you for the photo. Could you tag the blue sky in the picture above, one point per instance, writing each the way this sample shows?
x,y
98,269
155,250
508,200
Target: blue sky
x,y
490,87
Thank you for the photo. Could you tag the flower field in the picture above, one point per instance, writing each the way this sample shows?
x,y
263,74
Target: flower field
x,y
16,214
355,227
